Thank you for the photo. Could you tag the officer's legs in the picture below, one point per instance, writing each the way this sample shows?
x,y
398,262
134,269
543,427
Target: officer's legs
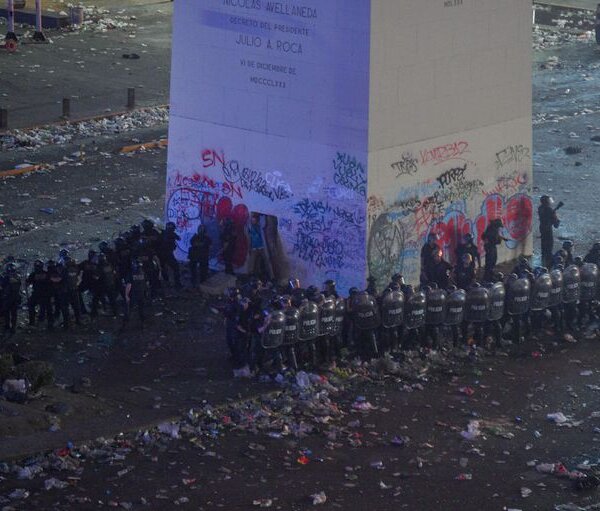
x,y
74,303
230,335
7,317
194,272
112,300
172,262
203,270
570,315
257,353
64,307
517,333
547,243
557,318
31,305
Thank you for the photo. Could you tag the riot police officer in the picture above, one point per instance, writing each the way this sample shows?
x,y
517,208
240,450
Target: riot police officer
x,y
548,221
150,234
522,266
367,321
427,253
136,289
593,256
11,291
57,292
89,278
106,288
492,238
329,289
568,246
147,257
72,279
198,255
166,253
39,300
109,252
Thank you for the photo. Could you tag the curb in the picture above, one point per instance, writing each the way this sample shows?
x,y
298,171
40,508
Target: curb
x,y
84,119
20,171
155,144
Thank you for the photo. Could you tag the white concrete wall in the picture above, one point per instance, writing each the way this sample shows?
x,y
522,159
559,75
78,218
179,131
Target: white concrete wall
x,y
449,126
269,114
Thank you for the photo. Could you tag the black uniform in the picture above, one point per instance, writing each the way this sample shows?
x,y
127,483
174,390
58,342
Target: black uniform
x,y
136,288
491,238
198,256
106,286
71,276
166,247
57,292
11,294
441,274
465,276
89,280
427,260
548,221
40,295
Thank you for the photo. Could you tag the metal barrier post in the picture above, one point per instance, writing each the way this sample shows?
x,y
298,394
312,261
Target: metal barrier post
x,y
39,33
11,20
66,108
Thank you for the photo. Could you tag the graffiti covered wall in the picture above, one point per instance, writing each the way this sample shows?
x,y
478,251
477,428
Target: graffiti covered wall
x,y
450,186
269,114
449,128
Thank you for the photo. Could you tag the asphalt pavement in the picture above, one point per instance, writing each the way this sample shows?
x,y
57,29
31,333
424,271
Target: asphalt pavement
x,y
124,45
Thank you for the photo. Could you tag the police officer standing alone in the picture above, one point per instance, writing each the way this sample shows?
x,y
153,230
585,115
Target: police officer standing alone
x,y
548,221
491,239
427,252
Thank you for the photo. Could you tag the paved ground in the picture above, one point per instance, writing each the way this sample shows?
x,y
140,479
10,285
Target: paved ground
x,y
88,67
576,4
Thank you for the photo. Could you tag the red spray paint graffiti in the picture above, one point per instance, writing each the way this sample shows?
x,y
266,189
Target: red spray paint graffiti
x,y
516,214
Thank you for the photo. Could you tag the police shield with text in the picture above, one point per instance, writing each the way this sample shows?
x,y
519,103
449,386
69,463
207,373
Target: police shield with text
x,y
477,309
518,295
416,308
290,335
309,328
455,313
570,295
497,294
589,290
366,321
392,317
435,313
274,333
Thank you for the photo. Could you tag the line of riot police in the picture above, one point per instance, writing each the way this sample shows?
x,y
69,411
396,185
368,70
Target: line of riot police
x,y
309,327
119,277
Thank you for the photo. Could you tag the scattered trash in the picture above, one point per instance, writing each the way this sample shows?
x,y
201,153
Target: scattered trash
x,y
318,498
526,492
263,502
472,431
464,477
